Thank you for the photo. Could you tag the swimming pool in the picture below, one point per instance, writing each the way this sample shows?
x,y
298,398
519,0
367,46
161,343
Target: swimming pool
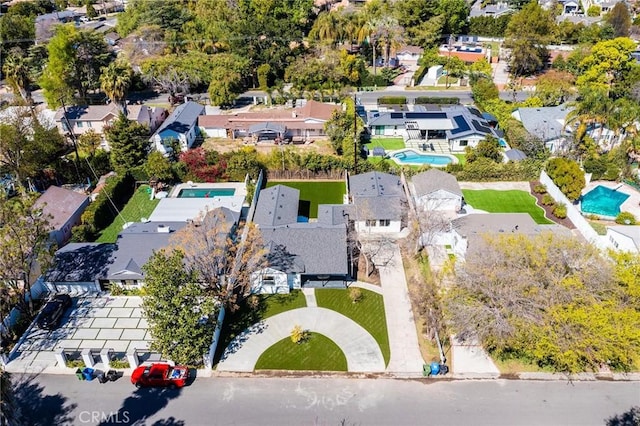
x,y
206,192
603,201
412,157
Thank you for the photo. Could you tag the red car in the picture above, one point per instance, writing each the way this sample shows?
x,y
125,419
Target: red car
x,y
160,374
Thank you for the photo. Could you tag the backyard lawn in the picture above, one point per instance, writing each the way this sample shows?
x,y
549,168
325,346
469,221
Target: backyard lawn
x,y
387,143
313,193
513,201
317,353
139,206
368,312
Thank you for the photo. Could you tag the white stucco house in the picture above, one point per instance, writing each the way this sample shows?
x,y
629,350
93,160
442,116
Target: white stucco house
x,y
378,203
624,238
436,190
181,125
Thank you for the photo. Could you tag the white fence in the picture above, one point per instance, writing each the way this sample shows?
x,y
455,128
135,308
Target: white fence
x,y
575,215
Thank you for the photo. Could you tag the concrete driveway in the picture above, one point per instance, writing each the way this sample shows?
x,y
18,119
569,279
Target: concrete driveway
x,y
97,323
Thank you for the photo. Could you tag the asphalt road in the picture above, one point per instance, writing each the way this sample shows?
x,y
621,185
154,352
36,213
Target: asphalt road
x,y
62,399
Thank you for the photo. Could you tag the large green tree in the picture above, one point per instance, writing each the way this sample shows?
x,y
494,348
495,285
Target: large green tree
x,y
181,317
553,300
619,19
17,71
567,176
73,67
228,75
527,35
129,143
115,80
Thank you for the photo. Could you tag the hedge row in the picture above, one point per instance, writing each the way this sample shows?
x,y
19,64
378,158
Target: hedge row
x,y
422,100
485,170
392,100
101,213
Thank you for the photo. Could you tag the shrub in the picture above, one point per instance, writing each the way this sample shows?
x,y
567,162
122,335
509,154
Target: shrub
x,y
299,335
392,100
548,200
560,211
355,294
421,100
75,363
119,363
540,189
626,218
568,176
100,213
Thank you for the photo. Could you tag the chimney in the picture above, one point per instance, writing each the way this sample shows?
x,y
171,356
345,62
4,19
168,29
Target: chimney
x,y
162,229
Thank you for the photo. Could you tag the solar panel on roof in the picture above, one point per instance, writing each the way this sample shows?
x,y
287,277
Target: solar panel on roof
x,y
425,115
479,127
397,115
461,125
475,112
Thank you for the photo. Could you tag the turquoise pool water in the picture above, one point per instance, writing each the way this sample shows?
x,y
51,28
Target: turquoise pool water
x,y
412,157
603,201
206,192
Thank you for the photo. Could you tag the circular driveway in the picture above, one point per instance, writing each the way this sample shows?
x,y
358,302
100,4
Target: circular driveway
x,y
359,347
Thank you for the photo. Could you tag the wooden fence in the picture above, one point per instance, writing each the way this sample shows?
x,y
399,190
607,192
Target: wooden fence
x,y
305,175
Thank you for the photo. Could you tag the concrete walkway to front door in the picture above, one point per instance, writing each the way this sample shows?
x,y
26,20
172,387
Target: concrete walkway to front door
x,y
401,327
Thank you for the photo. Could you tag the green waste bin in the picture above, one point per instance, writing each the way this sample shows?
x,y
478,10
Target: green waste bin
x,y
426,370
79,374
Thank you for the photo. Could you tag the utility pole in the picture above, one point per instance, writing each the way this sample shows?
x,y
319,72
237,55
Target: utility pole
x,y
71,135
355,136
449,48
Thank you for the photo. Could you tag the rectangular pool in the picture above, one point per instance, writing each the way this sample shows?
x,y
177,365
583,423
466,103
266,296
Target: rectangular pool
x,y
206,192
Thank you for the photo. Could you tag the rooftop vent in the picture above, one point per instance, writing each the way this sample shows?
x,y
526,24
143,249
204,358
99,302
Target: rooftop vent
x,y
162,229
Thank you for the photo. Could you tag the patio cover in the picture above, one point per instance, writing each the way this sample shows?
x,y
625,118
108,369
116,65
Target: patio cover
x,y
267,127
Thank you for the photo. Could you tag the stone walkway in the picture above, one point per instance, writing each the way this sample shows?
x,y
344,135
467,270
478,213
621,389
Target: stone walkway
x,y
310,297
359,347
401,327
371,287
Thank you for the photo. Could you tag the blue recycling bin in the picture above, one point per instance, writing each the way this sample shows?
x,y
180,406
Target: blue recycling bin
x,y
435,368
88,373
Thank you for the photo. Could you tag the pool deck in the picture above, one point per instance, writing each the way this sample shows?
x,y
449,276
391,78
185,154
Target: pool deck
x,y
631,204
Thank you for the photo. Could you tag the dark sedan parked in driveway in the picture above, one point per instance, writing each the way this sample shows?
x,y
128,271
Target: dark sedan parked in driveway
x,y
53,310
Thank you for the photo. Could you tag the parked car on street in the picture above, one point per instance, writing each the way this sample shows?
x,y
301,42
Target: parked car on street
x,y
53,310
160,374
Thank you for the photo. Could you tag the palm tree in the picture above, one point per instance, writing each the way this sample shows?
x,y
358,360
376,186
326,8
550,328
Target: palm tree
x,y
18,74
327,28
115,82
389,32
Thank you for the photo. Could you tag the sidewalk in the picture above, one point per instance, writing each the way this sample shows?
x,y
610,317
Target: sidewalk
x,y
401,327
470,359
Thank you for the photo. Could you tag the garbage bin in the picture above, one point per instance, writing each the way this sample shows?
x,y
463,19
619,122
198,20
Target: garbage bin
x,y
435,368
112,375
426,370
88,373
443,369
79,374
102,378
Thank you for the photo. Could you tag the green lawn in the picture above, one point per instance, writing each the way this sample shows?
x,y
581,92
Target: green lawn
x,y
139,206
462,158
387,143
313,193
368,312
245,316
318,353
513,201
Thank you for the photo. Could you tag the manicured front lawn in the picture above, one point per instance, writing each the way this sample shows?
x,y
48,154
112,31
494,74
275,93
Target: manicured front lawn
x,y
368,312
462,158
139,206
314,193
318,353
512,201
387,143
245,316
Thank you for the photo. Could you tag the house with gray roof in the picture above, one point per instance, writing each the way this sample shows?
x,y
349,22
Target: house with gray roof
x,y
181,126
625,237
300,253
546,124
514,155
63,209
435,190
379,202
467,233
78,267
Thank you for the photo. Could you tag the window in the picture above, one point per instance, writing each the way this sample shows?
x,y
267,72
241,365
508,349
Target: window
x,y
269,280
371,222
464,143
385,222
79,124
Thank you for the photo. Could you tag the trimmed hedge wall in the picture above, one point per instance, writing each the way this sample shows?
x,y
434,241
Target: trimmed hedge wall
x,y
101,213
422,100
392,100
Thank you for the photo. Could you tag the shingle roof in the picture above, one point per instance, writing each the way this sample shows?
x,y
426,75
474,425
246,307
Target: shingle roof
x,y
135,245
81,262
60,204
319,250
545,123
632,232
375,184
515,155
334,214
183,118
277,205
433,180
88,112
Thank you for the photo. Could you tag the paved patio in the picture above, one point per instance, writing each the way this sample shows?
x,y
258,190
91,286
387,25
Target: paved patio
x,y
113,322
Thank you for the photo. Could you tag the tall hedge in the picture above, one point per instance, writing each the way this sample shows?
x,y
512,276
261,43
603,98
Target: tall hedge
x,y
568,176
422,100
392,100
101,213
